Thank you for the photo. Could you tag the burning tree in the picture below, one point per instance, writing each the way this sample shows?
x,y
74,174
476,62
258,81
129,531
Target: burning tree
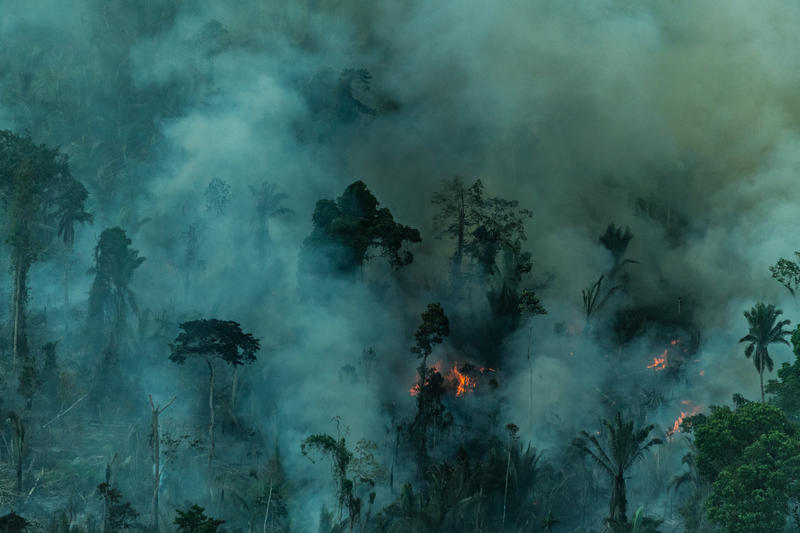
x,y
209,340
431,331
624,446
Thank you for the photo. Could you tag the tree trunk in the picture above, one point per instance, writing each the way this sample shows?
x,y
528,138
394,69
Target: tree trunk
x,y
233,389
761,380
505,490
157,410
19,341
211,411
156,467
269,501
619,502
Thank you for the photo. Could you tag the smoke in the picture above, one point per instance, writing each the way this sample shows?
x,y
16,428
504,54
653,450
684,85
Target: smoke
x,y
678,120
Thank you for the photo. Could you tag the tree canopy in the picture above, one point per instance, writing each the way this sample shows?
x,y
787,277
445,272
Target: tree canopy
x,y
345,230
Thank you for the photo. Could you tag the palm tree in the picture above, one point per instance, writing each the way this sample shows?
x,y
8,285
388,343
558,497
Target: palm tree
x,y
625,446
764,330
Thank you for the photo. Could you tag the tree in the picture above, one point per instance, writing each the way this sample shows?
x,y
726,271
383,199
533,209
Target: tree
x,y
156,411
217,195
40,201
497,224
624,446
347,229
751,455
209,340
194,520
764,330
530,305
118,514
110,295
268,206
616,241
787,273
434,327
786,389
459,209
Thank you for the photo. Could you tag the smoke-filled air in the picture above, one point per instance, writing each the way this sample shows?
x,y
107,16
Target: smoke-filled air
x,y
376,266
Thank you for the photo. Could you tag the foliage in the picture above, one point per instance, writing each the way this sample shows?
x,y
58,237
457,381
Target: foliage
x,y
765,329
786,389
346,230
753,494
432,330
217,195
110,294
194,520
118,514
214,338
752,458
787,273
624,446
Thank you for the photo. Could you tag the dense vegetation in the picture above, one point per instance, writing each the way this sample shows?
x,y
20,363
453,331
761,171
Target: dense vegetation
x,y
376,267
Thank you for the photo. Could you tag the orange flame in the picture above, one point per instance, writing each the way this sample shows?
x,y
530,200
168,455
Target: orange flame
x,y
659,363
456,380
464,382
676,426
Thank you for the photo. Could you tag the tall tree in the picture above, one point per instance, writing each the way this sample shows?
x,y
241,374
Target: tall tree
x,y
268,206
435,326
459,210
209,340
764,329
346,230
624,446
40,201
110,295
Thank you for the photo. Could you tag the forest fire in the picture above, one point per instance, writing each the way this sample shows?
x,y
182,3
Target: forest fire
x,y
676,426
659,363
457,380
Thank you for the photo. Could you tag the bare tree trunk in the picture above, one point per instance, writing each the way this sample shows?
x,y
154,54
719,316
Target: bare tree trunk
x,y
156,410
269,500
19,344
761,380
211,411
233,389
505,491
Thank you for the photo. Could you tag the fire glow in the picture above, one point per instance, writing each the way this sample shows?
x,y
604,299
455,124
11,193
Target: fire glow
x,y
659,363
676,426
457,380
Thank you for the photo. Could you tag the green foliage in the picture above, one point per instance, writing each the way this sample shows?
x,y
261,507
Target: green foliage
x,y
194,520
787,273
764,329
530,304
214,338
786,389
752,457
347,229
753,494
723,436
616,240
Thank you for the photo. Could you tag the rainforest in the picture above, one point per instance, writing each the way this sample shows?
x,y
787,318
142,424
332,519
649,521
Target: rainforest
x,y
350,266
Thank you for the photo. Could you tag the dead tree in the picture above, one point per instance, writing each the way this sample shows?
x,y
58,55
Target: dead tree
x,y
156,411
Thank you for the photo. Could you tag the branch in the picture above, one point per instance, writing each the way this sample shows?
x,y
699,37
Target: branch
x,y
67,410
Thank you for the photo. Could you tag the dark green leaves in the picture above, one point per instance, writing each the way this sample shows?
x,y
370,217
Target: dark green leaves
x,y
214,338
